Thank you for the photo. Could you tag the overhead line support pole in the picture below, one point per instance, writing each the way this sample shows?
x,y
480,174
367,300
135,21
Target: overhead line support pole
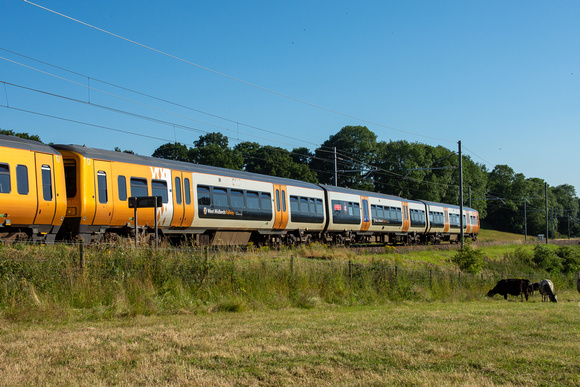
x,y
547,220
460,196
335,168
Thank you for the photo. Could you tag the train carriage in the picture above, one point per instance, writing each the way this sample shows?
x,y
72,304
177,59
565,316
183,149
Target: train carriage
x,y
444,222
361,216
214,205
32,190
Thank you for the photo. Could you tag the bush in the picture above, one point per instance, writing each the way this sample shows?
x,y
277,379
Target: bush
x,y
546,258
570,258
468,259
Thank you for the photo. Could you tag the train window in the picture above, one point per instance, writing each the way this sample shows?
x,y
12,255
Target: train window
x,y
311,206
203,195
344,212
177,190
139,187
373,211
5,178
237,199
253,200
304,205
46,183
220,197
70,177
187,189
366,210
122,184
102,187
278,200
22,179
266,201
319,207
283,201
159,188
294,204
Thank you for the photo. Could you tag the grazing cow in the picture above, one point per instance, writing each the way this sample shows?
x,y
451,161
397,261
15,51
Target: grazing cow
x,y
547,291
512,286
534,287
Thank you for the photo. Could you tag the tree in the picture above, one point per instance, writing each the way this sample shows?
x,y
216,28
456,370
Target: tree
x,y
302,155
273,161
505,188
567,206
212,149
25,136
117,149
356,148
172,151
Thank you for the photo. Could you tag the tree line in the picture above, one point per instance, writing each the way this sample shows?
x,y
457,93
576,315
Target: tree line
x,y
504,198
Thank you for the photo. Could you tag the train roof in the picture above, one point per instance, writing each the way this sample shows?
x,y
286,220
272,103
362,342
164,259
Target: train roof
x,y
21,143
101,154
465,208
332,188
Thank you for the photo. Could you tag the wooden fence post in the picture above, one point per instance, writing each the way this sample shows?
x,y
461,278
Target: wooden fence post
x,y
82,256
349,270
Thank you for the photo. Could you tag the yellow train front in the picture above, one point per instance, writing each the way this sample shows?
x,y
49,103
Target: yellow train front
x,y
213,206
32,190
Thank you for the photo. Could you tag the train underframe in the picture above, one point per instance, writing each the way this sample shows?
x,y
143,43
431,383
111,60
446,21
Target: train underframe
x,y
33,233
73,230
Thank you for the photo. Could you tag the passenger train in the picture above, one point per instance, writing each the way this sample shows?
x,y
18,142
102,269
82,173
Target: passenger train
x,y
75,192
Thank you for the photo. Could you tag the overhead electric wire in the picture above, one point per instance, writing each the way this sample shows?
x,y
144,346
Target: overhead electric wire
x,y
138,103
120,112
231,77
84,123
148,96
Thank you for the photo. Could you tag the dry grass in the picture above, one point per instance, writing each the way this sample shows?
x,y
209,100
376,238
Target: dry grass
x,y
483,343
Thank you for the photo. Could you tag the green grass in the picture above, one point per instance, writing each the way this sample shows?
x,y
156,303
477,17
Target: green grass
x,y
487,235
484,342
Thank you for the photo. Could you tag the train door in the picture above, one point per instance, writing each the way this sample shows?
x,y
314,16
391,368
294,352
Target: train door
x,y
178,199
366,223
103,192
406,222
189,208
280,207
45,188
446,214
467,222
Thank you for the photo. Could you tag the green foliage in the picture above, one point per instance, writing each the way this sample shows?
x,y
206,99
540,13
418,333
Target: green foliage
x,y
545,258
25,136
357,151
468,259
570,257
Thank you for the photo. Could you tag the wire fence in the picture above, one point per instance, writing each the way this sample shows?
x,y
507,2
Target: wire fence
x,y
196,266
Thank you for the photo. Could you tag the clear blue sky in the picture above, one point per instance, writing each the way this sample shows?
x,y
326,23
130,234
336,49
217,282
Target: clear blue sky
x,y
501,76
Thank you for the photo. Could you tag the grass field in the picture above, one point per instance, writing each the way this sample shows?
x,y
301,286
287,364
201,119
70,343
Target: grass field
x,y
482,343
308,316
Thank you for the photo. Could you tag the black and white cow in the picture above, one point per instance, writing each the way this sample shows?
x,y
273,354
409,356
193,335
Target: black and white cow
x,y
513,286
547,291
